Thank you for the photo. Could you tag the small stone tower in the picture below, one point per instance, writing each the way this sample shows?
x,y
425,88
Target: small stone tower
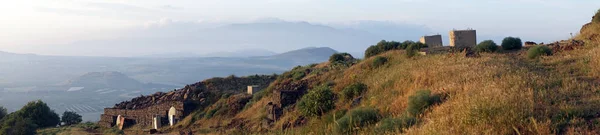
x,y
463,38
432,41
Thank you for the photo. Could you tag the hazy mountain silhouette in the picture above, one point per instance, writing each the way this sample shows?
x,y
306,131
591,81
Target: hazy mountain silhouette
x,y
195,38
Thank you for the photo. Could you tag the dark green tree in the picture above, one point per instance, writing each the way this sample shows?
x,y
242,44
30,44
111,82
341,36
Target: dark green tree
x,y
512,43
39,113
372,51
2,112
486,46
337,57
17,125
70,118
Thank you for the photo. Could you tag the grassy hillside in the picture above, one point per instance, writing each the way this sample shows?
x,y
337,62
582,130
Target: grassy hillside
x,y
495,93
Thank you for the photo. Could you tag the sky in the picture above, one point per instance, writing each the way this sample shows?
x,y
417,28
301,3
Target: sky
x,y
27,25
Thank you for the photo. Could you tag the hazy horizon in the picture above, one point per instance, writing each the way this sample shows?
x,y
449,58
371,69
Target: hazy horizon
x,y
150,27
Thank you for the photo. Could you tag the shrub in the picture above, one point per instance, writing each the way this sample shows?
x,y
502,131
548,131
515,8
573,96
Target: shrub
x,y
396,124
317,101
537,51
486,46
297,75
413,49
378,61
337,57
512,43
353,90
70,118
357,118
420,101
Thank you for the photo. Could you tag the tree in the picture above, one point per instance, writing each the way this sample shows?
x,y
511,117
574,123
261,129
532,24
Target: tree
x,y
70,118
2,112
512,43
337,57
16,125
372,51
39,113
486,46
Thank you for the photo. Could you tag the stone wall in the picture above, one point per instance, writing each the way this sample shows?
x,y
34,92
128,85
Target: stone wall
x,y
463,38
142,116
432,41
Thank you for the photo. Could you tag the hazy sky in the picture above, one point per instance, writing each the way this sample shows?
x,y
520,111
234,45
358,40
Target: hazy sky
x,y
26,23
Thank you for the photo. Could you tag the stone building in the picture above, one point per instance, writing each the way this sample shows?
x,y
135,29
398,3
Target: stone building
x,y
253,89
463,38
432,41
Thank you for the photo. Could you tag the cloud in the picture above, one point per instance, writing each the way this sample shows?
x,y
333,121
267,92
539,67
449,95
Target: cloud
x,y
119,7
170,7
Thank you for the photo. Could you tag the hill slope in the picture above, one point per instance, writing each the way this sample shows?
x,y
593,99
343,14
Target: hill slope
x,y
495,93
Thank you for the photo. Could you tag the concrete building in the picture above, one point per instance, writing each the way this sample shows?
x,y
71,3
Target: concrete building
x,y
432,41
463,38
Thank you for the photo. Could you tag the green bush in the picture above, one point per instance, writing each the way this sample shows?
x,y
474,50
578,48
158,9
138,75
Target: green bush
x,y
317,101
413,49
420,101
512,43
353,90
356,119
337,57
486,46
537,51
70,118
298,75
378,61
396,124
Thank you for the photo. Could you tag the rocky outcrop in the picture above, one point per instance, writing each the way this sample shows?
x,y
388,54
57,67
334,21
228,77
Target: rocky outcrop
x,y
565,45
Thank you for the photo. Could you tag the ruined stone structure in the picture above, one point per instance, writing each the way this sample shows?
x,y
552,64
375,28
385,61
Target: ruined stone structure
x,y
432,41
143,117
463,38
253,89
156,110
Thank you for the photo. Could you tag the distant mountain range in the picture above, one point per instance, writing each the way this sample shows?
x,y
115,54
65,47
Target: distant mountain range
x,y
40,71
179,39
